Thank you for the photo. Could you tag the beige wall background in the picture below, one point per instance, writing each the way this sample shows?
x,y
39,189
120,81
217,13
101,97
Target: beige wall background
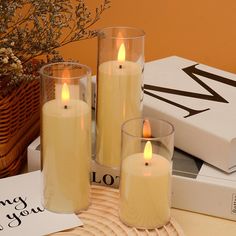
x,y
201,30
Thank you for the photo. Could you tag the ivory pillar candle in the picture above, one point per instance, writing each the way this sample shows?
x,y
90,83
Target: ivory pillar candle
x,y
145,191
145,184
66,137
119,88
118,99
66,155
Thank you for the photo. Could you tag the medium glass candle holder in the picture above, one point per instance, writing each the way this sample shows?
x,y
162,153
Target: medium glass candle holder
x,y
145,184
119,88
66,136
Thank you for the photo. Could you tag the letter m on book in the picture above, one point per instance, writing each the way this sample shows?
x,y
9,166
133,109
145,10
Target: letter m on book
x,y
195,74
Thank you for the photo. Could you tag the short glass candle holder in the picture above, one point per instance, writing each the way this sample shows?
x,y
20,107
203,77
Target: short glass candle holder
x,y
66,136
145,184
119,88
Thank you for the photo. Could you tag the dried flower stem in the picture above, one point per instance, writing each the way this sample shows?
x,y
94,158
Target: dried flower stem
x,y
30,28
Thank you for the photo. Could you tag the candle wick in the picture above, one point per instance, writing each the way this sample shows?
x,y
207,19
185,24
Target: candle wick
x,y
146,164
120,66
65,107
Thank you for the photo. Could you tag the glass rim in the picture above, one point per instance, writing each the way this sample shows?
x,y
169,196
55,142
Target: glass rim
x,y
88,71
172,129
106,29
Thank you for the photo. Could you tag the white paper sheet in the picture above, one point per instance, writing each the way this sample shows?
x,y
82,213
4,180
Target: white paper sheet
x,y
21,211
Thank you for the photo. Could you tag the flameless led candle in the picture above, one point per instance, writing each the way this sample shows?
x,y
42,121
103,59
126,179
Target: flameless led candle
x,y
118,91
66,149
144,199
145,179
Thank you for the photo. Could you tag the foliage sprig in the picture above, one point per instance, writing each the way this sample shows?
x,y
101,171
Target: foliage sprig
x,y
30,28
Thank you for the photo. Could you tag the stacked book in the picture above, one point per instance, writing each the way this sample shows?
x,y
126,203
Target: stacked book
x,y
200,102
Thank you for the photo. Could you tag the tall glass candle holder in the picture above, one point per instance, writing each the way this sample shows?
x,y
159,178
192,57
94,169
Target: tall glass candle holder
x,y
147,149
119,88
66,136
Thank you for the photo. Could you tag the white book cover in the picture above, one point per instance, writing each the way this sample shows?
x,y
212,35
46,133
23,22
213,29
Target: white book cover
x,y
200,101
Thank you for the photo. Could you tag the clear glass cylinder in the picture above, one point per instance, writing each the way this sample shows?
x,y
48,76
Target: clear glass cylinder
x,y
119,88
66,136
145,183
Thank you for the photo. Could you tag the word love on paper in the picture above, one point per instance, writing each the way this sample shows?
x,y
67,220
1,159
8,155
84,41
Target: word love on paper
x,y
18,209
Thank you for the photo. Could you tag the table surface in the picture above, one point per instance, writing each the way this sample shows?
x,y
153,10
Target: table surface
x,y
194,224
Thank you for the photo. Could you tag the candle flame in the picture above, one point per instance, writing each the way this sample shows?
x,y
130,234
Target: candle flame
x,y
147,133
65,74
119,39
148,151
121,53
65,93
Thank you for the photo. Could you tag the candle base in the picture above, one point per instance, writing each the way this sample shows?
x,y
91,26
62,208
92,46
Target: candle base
x,y
67,211
141,227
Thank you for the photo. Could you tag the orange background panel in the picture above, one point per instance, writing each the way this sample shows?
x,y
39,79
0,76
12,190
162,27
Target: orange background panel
x,y
202,30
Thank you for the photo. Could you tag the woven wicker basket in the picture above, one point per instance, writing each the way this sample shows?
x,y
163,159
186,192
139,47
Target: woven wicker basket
x,y
19,125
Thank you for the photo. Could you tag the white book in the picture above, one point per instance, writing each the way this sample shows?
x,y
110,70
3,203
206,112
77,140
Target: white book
x,y
200,101
200,187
